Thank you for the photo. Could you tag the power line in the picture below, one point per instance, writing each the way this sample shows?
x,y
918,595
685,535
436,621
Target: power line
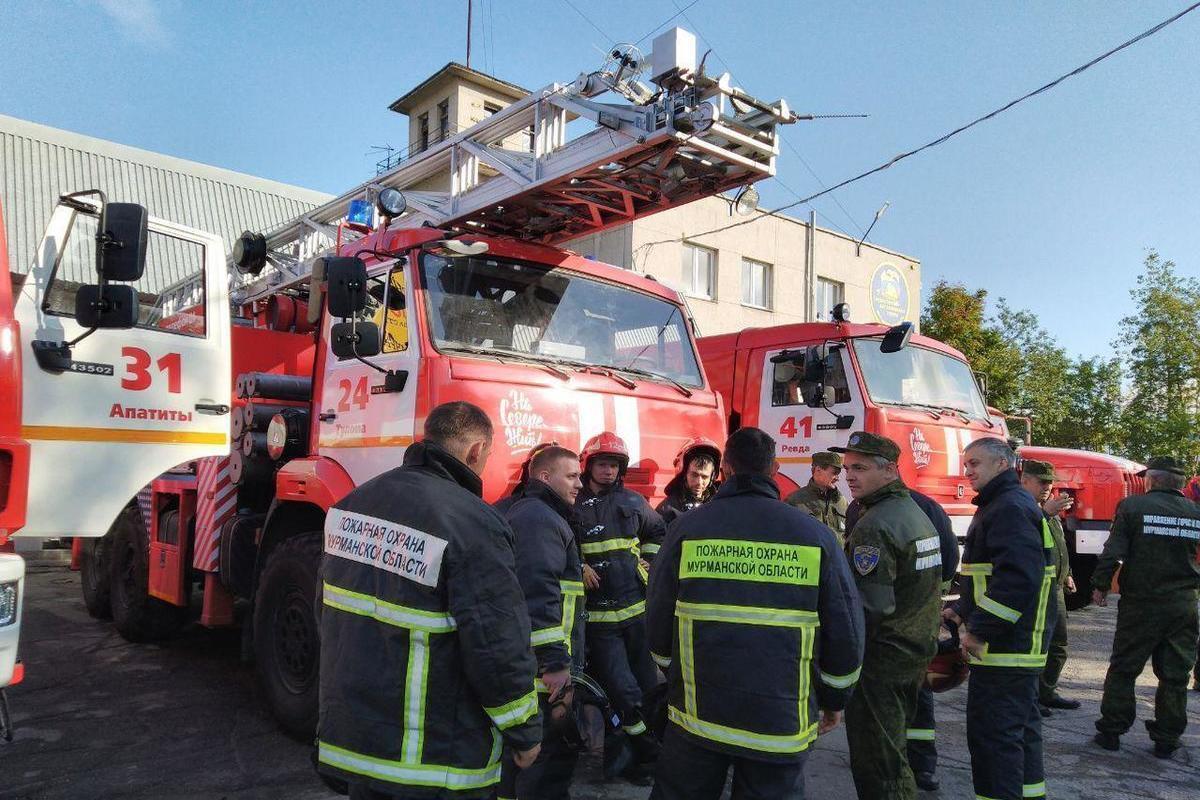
x,y
589,22
654,30
948,136
793,148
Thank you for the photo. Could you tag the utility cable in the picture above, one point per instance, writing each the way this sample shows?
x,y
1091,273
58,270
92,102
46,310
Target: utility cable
x,y
945,138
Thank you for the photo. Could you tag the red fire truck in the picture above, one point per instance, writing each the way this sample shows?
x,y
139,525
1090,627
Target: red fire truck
x,y
348,326
811,384
14,478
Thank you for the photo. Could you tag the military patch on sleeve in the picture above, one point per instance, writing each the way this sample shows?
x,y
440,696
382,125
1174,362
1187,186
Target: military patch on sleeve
x,y
865,558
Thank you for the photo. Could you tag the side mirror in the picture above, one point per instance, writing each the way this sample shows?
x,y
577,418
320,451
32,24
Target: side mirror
x,y
346,280
121,242
108,306
896,339
354,339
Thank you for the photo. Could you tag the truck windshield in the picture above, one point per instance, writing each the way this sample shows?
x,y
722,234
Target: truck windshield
x,y
918,377
524,310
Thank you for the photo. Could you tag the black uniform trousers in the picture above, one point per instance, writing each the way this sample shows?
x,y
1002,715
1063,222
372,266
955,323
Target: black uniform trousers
x,y
549,776
921,746
1004,733
1165,632
689,771
618,657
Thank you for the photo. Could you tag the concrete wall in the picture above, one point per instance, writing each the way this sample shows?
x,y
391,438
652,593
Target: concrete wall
x,y
782,243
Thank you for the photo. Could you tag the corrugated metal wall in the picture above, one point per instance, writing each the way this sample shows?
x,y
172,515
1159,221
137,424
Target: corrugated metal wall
x,y
38,163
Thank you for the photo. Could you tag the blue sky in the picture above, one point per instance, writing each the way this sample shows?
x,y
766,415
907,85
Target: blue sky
x,y
1052,205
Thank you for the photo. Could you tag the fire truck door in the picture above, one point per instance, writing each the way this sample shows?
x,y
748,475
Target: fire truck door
x,y
129,404
791,411
365,424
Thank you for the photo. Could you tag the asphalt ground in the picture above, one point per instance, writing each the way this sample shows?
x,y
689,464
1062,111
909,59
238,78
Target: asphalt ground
x,y
98,717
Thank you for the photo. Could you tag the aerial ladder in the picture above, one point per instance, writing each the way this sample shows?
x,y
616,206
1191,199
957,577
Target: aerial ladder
x,y
690,136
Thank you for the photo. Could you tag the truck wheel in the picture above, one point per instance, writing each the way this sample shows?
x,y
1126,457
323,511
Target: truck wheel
x,y
136,615
286,645
1082,568
94,577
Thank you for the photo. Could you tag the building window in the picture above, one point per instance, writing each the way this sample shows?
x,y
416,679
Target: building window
x,y
699,272
444,120
829,294
491,108
423,140
756,283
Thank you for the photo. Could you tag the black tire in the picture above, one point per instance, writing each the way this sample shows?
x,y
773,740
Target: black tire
x,y
94,575
136,615
286,644
1082,568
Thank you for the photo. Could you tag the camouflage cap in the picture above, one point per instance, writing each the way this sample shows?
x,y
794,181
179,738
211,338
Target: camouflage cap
x,y
827,459
1163,464
1042,470
870,444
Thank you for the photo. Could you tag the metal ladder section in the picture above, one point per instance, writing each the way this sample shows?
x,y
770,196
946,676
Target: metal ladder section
x,y
697,136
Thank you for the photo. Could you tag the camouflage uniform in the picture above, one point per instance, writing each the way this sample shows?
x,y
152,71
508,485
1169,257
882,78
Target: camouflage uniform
x,y
895,553
827,505
1155,537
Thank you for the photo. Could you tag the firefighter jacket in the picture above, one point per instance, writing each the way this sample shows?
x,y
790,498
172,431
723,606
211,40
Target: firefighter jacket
x,y
679,499
550,574
1155,535
754,617
619,528
827,505
426,668
1062,558
1007,573
897,560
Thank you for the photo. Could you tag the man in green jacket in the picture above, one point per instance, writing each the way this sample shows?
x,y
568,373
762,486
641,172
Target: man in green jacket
x,y
1154,538
821,497
1037,478
895,554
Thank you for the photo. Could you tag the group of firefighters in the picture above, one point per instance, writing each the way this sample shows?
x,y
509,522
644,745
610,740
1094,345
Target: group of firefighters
x,y
454,634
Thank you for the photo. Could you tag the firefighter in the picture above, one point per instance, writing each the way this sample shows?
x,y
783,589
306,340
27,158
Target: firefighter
x,y
821,497
921,734
1154,536
548,566
695,480
505,503
1037,477
896,556
750,599
1007,573
425,657
620,533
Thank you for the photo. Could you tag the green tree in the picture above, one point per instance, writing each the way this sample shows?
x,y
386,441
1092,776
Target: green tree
x,y
1160,347
1093,407
957,316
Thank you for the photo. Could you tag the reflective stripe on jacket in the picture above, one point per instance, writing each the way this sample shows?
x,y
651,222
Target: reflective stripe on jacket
x,y
754,616
550,575
426,668
618,528
1008,572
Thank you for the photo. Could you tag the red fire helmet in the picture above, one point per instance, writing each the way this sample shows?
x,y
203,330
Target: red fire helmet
x,y
604,444
699,443
946,671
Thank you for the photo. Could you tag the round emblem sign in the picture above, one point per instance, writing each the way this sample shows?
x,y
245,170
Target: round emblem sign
x,y
889,295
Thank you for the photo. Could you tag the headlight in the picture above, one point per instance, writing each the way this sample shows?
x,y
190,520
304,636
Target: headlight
x,y
8,603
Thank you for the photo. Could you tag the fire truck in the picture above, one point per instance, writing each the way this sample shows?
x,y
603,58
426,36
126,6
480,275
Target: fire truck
x,y
439,280
809,385
14,477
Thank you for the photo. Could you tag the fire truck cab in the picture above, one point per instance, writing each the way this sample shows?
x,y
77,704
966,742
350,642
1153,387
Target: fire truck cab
x,y
810,385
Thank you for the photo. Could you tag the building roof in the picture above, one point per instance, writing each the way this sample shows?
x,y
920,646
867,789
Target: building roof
x,y
455,70
38,163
